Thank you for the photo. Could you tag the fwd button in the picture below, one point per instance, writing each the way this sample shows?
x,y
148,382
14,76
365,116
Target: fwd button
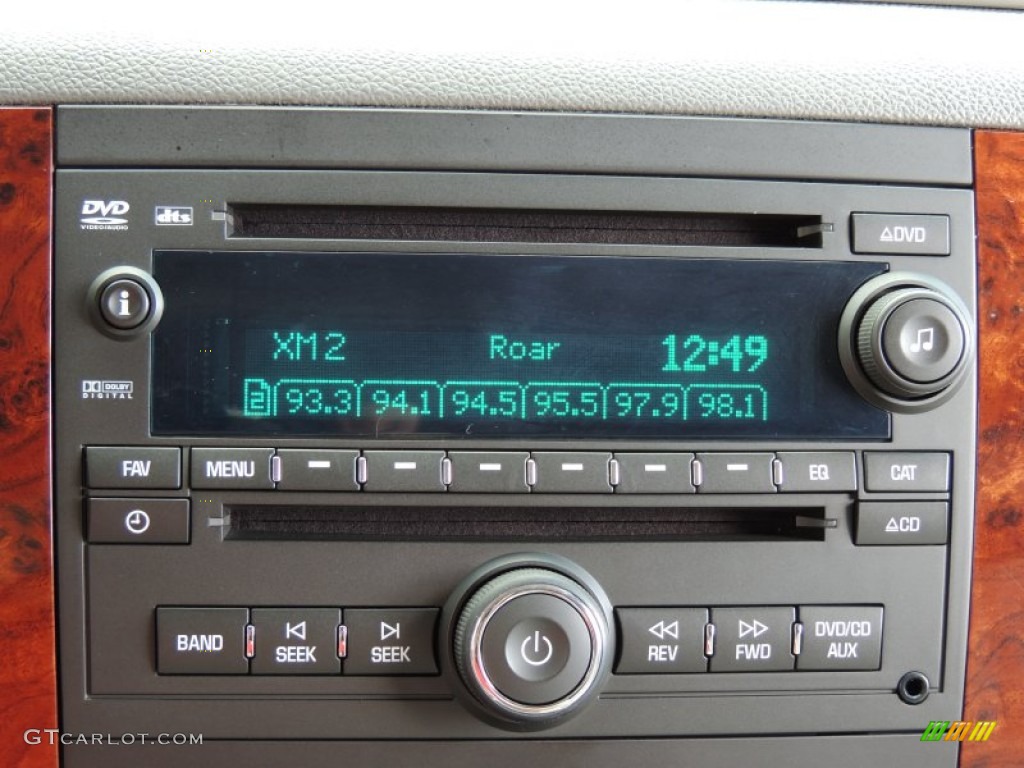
x,y
755,639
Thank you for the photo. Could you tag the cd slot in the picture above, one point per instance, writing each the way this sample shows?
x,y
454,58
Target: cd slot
x,y
492,225
456,523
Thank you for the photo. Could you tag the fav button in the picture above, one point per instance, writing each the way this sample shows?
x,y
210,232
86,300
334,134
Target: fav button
x,y
130,467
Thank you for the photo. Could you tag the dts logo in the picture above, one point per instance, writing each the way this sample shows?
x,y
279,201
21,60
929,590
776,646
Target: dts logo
x,y
173,216
104,214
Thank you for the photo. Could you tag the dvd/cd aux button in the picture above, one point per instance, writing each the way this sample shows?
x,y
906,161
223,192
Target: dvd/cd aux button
x,y
201,641
736,472
753,639
404,471
559,472
840,637
317,470
881,523
654,473
906,471
661,640
130,467
232,468
818,472
480,472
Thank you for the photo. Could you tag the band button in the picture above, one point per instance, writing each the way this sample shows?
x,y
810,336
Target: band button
x,y
201,641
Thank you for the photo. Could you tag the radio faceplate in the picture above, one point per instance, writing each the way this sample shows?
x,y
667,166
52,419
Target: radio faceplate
x,y
815,561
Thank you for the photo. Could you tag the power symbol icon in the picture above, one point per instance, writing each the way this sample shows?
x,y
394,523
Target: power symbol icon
x,y
534,646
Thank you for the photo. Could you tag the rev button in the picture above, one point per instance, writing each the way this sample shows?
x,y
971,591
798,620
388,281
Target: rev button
x,y
661,640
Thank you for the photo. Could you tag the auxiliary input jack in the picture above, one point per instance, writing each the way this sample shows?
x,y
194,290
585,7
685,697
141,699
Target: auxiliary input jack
x,y
913,687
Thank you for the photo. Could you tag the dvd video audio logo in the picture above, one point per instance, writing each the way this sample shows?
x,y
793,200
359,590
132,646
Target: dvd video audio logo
x,y
104,214
958,730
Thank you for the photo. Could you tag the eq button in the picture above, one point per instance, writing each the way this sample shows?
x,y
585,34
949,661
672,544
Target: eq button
x,y
814,472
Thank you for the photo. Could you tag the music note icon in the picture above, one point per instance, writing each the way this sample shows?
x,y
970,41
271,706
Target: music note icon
x,y
925,341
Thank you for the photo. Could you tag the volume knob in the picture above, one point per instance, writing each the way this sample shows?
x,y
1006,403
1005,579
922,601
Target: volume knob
x,y
532,645
910,339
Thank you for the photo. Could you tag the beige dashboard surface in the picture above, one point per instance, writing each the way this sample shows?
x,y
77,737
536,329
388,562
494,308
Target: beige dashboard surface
x,y
824,60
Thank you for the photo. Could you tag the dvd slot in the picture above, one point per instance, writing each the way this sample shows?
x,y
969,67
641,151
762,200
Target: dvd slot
x,y
454,523
492,225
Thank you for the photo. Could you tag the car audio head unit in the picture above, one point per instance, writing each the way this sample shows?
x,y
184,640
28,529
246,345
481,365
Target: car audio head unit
x,y
353,448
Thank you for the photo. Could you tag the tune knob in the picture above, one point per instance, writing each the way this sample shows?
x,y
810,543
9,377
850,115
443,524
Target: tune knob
x,y
531,643
906,341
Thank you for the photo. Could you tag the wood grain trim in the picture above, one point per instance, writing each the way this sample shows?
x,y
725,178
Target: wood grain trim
x,y
995,665
28,683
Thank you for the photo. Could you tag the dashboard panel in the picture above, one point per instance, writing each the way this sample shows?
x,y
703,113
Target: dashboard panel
x,y
500,163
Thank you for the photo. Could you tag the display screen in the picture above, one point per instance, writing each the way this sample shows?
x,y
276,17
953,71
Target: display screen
x,y
492,346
